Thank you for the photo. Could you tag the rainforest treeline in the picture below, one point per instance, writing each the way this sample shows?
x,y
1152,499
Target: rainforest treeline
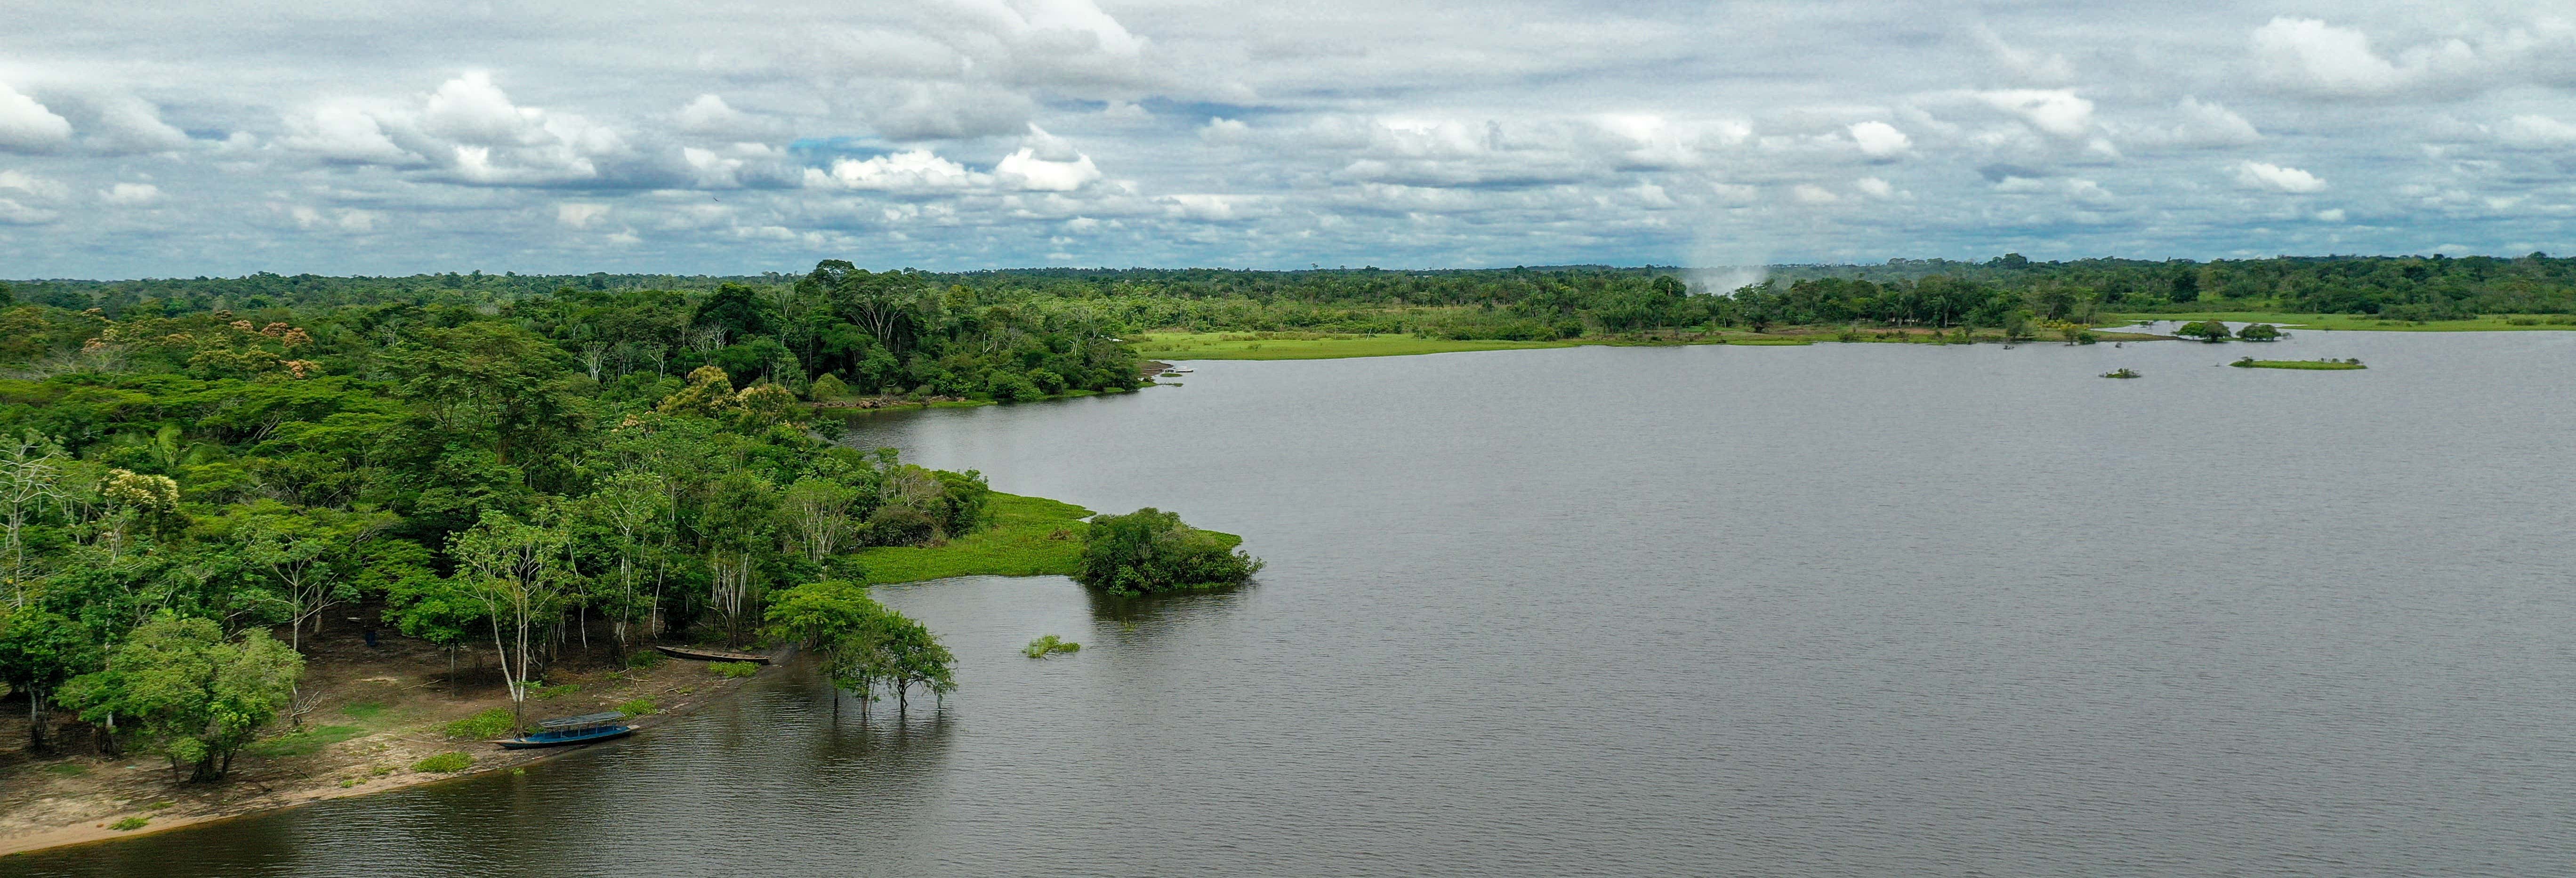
x,y
187,492
1512,303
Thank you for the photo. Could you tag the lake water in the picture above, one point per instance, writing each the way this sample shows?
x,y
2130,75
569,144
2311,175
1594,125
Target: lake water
x,y
1828,610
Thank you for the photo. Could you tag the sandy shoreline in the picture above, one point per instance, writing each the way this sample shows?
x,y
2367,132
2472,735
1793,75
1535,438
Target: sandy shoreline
x,y
73,807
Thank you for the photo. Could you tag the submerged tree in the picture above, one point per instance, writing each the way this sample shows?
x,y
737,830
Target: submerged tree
x,y
864,644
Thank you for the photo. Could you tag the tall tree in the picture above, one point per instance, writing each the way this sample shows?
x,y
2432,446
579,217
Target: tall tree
x,y
196,695
515,569
31,474
39,649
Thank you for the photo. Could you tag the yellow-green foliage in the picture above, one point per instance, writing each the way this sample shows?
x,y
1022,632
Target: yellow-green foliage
x,y
1027,536
637,707
828,388
444,763
733,670
129,824
488,724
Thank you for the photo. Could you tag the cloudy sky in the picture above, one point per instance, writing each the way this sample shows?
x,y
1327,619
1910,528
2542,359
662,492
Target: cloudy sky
x,y
213,137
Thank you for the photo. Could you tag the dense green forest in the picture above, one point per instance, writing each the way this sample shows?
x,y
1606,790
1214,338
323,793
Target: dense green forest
x,y
185,492
1528,303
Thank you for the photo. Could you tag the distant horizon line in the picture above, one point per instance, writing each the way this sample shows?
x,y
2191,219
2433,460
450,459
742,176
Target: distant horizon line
x,y
1990,262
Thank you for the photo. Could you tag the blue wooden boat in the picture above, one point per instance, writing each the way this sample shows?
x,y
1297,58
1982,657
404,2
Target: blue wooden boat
x,y
563,731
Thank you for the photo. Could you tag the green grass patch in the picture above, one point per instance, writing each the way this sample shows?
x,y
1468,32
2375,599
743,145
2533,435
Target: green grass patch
x,y
2337,365
547,693
492,723
66,769
159,805
2296,322
1310,345
1028,536
637,707
362,710
130,824
1774,342
733,670
444,763
304,743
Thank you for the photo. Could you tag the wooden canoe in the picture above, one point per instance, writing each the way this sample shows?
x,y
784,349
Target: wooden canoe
x,y
712,655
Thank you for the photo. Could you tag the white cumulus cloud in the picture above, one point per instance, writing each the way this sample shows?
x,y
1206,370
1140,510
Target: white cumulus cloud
x,y
2309,55
130,194
2057,112
579,215
27,126
1880,140
2278,178
2537,131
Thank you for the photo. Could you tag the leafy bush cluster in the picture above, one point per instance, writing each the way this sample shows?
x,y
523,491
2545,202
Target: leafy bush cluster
x,y
1049,645
1150,551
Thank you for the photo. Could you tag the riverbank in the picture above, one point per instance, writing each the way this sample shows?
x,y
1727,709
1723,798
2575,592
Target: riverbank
x,y
373,715
1329,346
2365,322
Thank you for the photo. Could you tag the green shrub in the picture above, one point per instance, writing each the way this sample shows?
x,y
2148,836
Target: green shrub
x,y
444,763
645,659
1149,551
2207,330
1048,645
637,707
733,670
129,824
827,388
492,723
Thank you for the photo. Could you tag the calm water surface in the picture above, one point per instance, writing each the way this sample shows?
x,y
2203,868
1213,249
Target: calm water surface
x,y
1833,610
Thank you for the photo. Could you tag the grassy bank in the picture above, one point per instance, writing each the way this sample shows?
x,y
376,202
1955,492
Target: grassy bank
x,y
1325,346
2322,365
1028,536
1309,345
2486,323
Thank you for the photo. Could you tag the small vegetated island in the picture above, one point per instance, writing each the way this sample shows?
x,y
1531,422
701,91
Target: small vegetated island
x,y
2319,365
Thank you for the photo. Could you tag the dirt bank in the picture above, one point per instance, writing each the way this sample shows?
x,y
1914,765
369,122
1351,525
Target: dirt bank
x,y
369,715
